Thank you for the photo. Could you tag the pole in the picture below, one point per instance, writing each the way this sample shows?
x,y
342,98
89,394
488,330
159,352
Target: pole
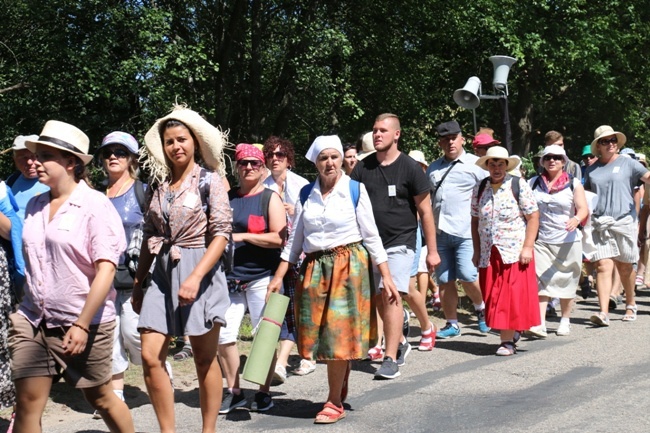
x,y
505,117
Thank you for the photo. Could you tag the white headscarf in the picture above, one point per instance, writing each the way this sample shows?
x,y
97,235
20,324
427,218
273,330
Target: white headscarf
x,y
321,143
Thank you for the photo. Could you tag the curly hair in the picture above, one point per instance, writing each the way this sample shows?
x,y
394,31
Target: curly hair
x,y
271,143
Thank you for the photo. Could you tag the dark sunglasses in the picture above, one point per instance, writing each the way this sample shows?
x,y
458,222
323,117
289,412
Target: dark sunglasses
x,y
119,153
255,163
553,157
608,141
588,156
279,155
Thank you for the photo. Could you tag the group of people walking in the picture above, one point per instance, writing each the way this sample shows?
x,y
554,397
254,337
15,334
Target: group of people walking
x,y
112,277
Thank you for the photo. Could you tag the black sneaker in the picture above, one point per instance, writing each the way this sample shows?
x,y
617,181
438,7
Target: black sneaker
x,y
406,326
262,402
403,351
232,401
388,369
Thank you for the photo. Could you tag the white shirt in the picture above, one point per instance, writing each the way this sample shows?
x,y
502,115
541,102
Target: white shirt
x,y
292,186
554,212
325,224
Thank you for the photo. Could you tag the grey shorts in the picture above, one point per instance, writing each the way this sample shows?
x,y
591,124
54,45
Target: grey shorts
x,y
400,261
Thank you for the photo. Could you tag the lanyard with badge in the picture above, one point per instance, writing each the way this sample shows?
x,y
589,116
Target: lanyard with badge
x,y
392,187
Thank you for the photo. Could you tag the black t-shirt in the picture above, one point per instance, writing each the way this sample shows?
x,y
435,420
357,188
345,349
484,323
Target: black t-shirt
x,y
392,189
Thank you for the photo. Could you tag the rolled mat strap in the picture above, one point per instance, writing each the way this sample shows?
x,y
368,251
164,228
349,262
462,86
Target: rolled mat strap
x,y
272,321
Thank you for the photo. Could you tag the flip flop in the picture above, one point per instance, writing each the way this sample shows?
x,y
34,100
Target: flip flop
x,y
330,414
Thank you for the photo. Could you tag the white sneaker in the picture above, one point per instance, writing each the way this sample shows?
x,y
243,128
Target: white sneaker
x,y
279,376
563,329
538,331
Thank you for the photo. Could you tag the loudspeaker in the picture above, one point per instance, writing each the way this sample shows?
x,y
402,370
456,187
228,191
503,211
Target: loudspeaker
x,y
468,96
502,66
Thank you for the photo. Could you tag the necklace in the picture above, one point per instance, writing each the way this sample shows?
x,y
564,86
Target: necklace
x,y
119,190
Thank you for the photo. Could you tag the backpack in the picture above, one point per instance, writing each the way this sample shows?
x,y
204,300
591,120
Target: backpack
x,y
355,191
12,179
515,187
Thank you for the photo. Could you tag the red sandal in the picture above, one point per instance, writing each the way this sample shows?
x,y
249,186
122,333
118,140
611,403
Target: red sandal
x,y
330,414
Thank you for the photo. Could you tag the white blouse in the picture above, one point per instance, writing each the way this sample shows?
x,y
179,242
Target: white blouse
x,y
325,224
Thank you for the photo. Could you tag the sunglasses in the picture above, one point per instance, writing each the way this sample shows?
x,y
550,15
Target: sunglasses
x,y
278,155
608,141
255,163
119,153
553,157
588,157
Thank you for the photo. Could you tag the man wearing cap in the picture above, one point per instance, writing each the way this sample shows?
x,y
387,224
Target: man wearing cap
x,y
24,182
452,178
571,167
399,192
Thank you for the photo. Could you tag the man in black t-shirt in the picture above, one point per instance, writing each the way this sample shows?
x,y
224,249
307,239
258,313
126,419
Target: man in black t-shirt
x,y
399,192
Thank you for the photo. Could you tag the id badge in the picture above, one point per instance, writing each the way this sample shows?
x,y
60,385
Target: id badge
x,y
392,190
190,200
616,169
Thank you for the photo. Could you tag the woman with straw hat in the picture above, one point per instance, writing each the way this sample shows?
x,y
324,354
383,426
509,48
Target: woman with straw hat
x,y
72,238
614,219
505,220
186,227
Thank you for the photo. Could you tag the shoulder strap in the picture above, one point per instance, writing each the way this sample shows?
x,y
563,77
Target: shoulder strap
x,y
264,203
516,187
204,189
12,179
138,189
355,191
571,178
481,186
304,193
536,183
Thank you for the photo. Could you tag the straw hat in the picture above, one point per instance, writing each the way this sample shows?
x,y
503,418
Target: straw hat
x,y
19,142
367,146
212,143
61,135
418,155
497,152
605,131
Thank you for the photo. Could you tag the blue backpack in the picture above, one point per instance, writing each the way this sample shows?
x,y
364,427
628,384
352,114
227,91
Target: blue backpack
x,y
355,189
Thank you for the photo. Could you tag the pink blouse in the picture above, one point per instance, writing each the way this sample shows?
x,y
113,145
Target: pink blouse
x,y
61,255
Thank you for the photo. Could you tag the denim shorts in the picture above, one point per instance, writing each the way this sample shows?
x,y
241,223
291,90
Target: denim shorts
x,y
400,261
455,259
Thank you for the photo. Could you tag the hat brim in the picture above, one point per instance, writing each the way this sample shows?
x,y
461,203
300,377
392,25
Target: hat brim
x,y
212,142
620,137
482,162
31,146
362,155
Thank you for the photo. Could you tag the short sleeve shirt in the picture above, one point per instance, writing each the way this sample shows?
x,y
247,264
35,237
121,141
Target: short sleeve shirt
x,y
61,255
555,210
392,190
614,185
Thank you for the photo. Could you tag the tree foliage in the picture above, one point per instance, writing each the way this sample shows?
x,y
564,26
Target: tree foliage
x,y
302,68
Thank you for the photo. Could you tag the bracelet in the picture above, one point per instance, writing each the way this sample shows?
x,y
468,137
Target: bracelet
x,y
86,330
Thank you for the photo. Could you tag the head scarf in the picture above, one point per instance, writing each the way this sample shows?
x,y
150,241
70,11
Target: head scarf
x,y
321,143
245,150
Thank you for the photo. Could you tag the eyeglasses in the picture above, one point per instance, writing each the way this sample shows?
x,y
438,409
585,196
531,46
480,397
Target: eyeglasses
x,y
553,157
607,141
255,163
119,153
278,155
588,156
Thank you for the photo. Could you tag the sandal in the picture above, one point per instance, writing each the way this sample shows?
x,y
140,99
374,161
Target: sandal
x,y
599,319
630,317
507,348
344,390
306,367
185,353
376,353
330,414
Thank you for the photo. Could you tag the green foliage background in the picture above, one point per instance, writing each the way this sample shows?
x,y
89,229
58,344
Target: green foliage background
x,y
305,67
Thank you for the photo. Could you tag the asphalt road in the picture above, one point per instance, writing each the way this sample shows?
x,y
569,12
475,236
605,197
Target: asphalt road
x,y
595,380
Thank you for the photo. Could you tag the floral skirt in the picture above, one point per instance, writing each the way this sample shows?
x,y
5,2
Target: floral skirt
x,y
335,311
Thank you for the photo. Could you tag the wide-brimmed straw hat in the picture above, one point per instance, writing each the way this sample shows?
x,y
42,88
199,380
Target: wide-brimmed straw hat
x,y
367,146
211,140
418,155
605,131
497,152
63,136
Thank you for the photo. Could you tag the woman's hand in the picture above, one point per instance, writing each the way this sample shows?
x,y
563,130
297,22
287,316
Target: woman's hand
x,y
188,290
289,209
475,258
74,341
274,287
526,255
572,224
136,298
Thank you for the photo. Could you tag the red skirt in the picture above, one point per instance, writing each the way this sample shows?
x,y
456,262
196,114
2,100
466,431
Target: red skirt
x,y
510,294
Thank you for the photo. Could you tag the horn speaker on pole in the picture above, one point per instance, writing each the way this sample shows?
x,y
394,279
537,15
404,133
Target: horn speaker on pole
x,y
502,66
468,96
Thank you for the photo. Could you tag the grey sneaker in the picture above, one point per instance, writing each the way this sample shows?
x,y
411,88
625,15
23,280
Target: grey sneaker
x,y
403,351
232,401
406,326
388,369
262,402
